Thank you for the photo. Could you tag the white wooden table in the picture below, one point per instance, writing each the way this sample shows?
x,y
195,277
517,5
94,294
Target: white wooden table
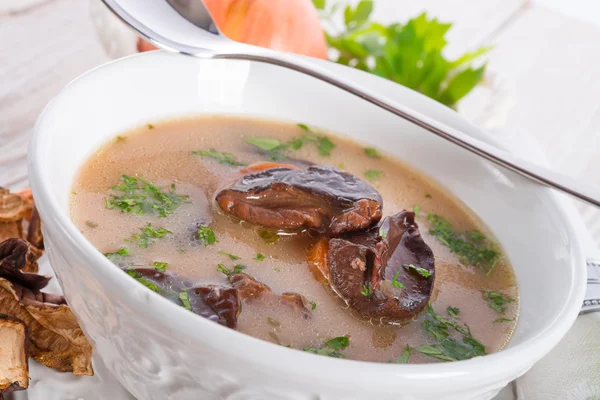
x,y
546,56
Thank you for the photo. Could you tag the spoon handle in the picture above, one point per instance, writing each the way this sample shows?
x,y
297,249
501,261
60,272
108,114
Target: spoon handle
x,y
190,30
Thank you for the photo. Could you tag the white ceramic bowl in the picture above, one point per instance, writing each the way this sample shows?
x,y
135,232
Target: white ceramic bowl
x,y
158,350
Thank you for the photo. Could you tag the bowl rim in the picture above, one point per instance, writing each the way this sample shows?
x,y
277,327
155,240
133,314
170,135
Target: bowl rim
x,y
508,363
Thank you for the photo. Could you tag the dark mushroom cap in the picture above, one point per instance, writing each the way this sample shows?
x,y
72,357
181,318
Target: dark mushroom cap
x,y
216,303
16,256
383,265
319,198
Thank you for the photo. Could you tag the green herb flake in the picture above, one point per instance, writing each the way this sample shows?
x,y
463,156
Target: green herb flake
x,y
138,277
150,126
259,257
231,256
148,233
447,347
184,297
230,272
120,139
421,271
273,322
304,127
403,359
428,196
221,158
160,266
91,224
331,348
417,210
276,269
138,196
325,147
453,311
264,144
503,319
477,253
366,291
206,235
496,300
383,233
268,236
371,152
395,282
373,174
313,305
182,251
116,256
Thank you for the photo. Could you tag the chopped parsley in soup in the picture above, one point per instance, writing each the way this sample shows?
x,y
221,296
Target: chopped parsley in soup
x,y
300,238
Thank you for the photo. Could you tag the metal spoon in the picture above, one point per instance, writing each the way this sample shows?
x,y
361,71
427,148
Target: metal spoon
x,y
185,26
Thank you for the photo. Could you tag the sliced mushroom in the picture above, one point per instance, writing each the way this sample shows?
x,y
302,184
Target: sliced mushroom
x,y
216,303
56,340
14,356
17,256
391,277
12,212
319,198
34,231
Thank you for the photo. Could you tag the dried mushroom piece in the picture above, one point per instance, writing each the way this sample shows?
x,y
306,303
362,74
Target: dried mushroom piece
x,y
18,264
216,303
12,212
14,357
320,198
56,340
389,276
34,231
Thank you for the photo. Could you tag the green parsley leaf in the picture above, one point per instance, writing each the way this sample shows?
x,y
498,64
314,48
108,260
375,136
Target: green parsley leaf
x,y
403,359
160,266
371,152
325,147
383,233
331,348
339,343
221,158
150,126
447,347
496,300
182,251
366,291
471,252
184,297
259,257
120,139
276,269
268,236
453,311
373,174
231,256
417,210
230,272
116,256
144,239
421,271
319,5
206,235
313,305
138,277
428,196
139,196
304,127
503,319
395,282
265,144
411,53
91,224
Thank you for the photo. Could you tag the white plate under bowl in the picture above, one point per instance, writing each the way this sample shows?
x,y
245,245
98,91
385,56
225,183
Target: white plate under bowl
x,y
158,350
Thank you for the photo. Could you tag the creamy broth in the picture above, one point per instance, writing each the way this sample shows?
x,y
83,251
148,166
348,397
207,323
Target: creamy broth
x,y
162,154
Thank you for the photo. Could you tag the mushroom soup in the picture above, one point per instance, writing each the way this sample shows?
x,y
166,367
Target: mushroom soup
x,y
298,237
